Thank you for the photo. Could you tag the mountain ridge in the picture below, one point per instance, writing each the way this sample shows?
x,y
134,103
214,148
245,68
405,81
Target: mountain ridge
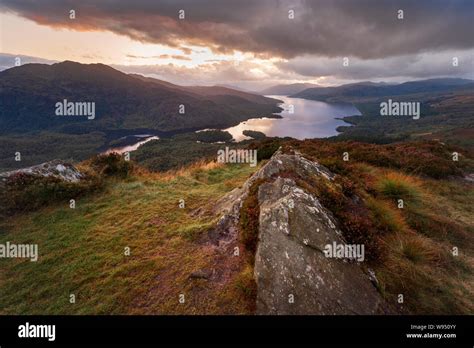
x,y
350,92
287,89
123,101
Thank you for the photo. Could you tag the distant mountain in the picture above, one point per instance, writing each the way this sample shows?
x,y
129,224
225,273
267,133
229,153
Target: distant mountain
x,y
222,91
29,93
237,88
355,91
163,83
287,89
209,91
8,61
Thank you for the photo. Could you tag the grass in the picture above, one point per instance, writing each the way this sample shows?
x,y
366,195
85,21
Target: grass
x,y
397,186
245,282
26,192
424,158
387,217
419,262
82,250
411,248
430,281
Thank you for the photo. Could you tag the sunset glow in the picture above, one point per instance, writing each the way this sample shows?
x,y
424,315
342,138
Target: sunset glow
x,y
250,47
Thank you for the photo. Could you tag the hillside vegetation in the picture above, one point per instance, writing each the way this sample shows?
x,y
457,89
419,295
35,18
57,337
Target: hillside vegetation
x,y
124,104
445,110
423,249
83,250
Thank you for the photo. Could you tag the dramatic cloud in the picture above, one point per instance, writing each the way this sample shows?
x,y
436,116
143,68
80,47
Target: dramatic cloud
x,y
367,29
423,65
246,74
253,43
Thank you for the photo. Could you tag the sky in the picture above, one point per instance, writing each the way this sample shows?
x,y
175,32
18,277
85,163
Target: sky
x,y
247,44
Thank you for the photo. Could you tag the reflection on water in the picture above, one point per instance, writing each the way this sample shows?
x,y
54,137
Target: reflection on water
x,y
310,119
129,148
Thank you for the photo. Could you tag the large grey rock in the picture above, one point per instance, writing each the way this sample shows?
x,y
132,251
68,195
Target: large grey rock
x,y
292,273
228,208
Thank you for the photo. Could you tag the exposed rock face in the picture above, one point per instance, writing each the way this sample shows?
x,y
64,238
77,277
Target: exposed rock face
x,y
292,273
229,206
58,169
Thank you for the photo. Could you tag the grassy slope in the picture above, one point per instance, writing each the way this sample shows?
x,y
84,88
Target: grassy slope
x,y
417,240
82,250
419,262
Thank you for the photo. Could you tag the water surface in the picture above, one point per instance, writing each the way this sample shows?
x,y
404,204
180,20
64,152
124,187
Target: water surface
x,y
310,119
140,139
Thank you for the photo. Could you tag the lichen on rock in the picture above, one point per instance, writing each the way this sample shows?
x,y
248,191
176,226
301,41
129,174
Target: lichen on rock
x,y
56,168
292,273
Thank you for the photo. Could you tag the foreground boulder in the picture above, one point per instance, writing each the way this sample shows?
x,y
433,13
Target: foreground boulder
x,y
57,169
292,271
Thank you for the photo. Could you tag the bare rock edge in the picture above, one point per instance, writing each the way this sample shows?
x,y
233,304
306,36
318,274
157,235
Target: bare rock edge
x,y
292,273
56,169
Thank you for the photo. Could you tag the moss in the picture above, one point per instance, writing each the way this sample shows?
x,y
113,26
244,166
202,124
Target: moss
x,y
248,237
245,282
249,219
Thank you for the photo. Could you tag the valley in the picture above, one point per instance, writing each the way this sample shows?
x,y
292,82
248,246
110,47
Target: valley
x,y
212,172
181,224
123,103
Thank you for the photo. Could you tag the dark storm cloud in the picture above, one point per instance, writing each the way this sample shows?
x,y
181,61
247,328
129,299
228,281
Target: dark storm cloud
x,y
366,29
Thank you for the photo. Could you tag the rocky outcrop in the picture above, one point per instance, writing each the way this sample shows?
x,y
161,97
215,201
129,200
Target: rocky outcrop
x,y
292,271
58,169
229,206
